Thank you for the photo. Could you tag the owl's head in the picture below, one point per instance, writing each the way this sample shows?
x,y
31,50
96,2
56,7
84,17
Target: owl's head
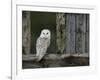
x,y
45,33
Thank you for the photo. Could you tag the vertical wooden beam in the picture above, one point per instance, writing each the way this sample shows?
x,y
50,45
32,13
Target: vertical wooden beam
x,y
83,28
70,33
80,33
60,28
26,32
87,34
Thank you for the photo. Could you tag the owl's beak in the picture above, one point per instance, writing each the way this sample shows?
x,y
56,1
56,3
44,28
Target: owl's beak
x,y
45,38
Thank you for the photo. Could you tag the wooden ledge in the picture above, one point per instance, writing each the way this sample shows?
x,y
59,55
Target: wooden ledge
x,y
53,56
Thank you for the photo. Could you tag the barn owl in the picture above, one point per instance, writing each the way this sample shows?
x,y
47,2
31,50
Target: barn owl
x,y
42,43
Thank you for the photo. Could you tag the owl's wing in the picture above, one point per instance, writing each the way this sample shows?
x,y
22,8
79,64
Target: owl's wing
x,y
41,47
48,43
40,57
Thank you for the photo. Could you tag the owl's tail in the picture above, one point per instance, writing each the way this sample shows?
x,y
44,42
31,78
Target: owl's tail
x,y
39,58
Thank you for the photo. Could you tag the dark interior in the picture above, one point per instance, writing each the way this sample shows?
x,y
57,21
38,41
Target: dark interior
x,y
39,21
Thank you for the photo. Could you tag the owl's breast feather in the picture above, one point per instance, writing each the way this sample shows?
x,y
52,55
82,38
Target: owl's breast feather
x,y
43,42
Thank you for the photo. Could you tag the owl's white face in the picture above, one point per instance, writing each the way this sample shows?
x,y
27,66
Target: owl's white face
x,y
45,33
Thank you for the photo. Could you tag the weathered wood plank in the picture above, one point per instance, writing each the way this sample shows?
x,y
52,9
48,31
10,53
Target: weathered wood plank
x,y
67,42
26,32
83,28
70,33
79,25
81,33
60,28
87,34
52,56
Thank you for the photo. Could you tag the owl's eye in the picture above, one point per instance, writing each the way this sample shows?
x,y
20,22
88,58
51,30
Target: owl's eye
x,y
43,33
47,33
